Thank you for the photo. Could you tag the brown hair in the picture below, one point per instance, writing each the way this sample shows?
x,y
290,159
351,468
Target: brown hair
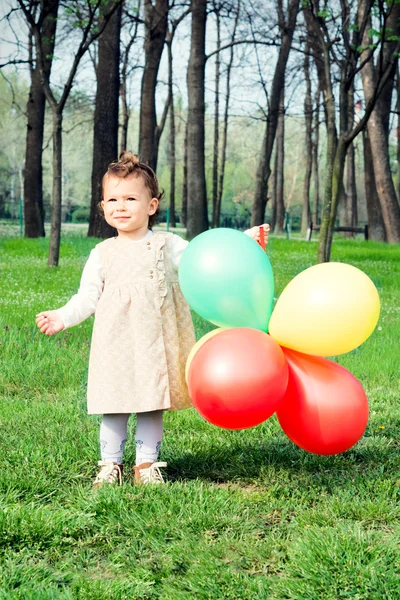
x,y
128,164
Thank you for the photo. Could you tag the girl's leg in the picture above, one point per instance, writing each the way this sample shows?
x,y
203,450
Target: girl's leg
x,y
149,432
113,437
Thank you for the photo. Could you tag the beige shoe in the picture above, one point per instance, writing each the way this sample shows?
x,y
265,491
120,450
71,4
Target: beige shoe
x,y
110,473
149,473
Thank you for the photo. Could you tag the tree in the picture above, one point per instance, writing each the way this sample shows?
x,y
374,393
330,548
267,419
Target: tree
x,y
378,123
156,22
105,132
219,170
278,217
286,27
126,71
197,216
84,15
305,217
315,161
342,62
35,108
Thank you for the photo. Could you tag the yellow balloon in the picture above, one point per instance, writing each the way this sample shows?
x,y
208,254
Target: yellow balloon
x,y
198,345
326,310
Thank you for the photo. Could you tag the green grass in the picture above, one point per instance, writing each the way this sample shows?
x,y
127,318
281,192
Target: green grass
x,y
245,514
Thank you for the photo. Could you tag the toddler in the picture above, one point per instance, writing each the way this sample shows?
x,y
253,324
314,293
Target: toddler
x,y
143,331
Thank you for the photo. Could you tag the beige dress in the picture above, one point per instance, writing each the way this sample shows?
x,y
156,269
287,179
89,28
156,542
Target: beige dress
x,y
143,331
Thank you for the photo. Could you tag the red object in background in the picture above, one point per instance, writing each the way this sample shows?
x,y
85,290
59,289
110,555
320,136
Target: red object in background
x,y
237,378
325,409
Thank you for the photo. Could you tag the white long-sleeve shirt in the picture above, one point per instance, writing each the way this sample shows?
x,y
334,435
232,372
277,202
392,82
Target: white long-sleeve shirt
x,y
84,303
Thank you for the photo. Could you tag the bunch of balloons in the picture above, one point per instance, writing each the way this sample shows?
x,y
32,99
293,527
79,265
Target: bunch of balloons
x,y
262,361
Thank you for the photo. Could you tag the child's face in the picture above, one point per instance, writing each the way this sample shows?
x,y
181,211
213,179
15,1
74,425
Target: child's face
x,y
127,205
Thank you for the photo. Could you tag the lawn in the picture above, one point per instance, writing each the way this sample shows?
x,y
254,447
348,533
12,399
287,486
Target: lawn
x,y
245,514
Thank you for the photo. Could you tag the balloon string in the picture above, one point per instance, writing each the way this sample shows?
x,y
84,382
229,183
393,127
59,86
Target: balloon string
x,y
262,237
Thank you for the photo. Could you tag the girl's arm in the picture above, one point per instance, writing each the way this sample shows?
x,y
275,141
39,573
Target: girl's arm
x,y
179,245
82,305
254,232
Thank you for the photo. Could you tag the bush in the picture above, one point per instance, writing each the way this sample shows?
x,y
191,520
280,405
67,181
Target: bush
x,y
80,215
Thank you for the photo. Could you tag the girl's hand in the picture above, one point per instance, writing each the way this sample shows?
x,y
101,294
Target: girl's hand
x,y
254,232
49,322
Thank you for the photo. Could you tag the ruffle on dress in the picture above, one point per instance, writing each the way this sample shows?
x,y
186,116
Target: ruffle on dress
x,y
160,265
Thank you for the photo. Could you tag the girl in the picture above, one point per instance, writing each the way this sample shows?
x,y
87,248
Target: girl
x,y
143,330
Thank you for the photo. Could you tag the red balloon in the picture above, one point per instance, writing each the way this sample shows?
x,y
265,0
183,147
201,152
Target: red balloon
x,y
237,378
325,409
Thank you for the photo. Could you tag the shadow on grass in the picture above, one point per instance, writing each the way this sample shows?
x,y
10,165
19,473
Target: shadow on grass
x,y
283,462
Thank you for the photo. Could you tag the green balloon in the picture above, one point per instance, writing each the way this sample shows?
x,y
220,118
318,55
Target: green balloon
x,y
227,278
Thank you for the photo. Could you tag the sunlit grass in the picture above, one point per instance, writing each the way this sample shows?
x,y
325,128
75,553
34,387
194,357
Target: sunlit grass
x,y
245,514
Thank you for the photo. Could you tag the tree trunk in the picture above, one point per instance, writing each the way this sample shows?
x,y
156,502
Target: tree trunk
x,y
156,23
305,217
332,170
105,135
225,123
351,190
125,72
264,168
55,233
377,125
376,226
197,217
381,161
185,180
273,193
315,167
215,178
125,117
172,153
398,131
35,111
280,168
351,216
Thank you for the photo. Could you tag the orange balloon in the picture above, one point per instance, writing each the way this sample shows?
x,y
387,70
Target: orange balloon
x,y
238,378
324,409
197,346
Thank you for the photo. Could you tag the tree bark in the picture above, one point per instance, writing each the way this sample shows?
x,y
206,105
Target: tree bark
x,y
315,160
185,179
197,215
398,131
280,168
125,72
217,217
125,117
55,233
351,216
264,168
305,217
35,112
215,178
172,132
156,23
376,226
105,134
380,152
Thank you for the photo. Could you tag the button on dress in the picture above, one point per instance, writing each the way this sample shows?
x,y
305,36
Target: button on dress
x,y
143,331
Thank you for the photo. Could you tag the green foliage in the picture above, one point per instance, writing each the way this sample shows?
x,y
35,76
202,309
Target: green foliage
x,y
245,514
80,215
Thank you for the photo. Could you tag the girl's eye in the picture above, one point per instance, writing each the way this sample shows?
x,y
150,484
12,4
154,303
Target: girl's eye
x,y
111,200
133,199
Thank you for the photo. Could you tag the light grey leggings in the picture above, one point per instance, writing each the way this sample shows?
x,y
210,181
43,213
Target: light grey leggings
x,y
149,432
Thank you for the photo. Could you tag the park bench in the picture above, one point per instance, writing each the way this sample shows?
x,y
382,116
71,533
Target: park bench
x,y
313,227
